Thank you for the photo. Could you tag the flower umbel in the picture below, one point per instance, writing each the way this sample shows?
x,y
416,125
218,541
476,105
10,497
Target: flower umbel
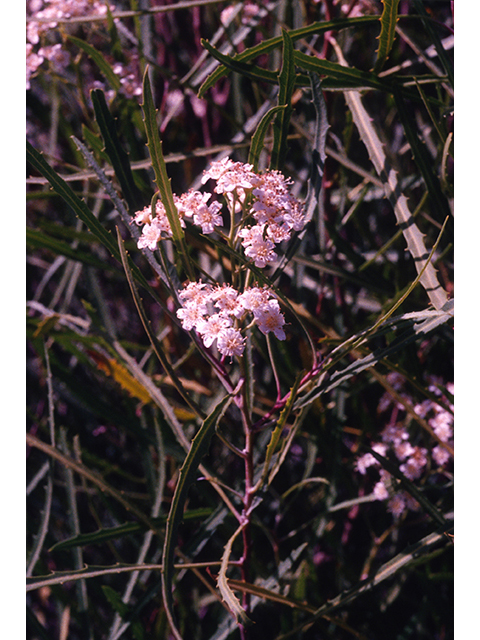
x,y
213,312
260,198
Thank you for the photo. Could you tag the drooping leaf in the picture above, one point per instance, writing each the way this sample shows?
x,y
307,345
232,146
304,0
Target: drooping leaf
x,y
80,209
198,449
227,594
275,43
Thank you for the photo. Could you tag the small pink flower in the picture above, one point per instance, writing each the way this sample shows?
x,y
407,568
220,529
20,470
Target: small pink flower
x,y
230,342
210,329
380,491
413,467
226,299
270,318
396,505
150,236
440,455
190,315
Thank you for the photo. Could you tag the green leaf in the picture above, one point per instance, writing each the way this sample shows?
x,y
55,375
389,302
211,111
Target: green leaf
x,y
435,39
398,563
115,599
198,449
422,157
286,85
257,145
413,236
346,76
40,240
80,209
157,347
118,156
388,20
161,178
248,70
419,325
99,60
275,43
92,476
277,432
128,528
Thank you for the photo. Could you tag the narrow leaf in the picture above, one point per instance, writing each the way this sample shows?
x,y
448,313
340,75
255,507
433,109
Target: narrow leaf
x,y
151,335
79,207
422,158
257,145
286,85
277,432
189,468
99,60
92,476
161,177
248,70
228,596
275,43
348,76
405,220
41,240
388,20
113,533
398,563
117,154
414,333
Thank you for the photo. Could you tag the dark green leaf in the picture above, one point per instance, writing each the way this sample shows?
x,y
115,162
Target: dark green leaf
x,y
386,38
118,156
286,85
199,448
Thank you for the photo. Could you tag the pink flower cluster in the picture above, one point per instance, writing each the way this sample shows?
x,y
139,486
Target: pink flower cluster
x,y
192,204
262,198
213,311
413,459
47,13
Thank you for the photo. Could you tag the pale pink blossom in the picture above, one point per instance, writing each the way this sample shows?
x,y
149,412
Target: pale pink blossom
x,y
143,216
258,248
415,463
270,318
253,299
226,299
210,328
208,217
196,293
380,491
440,455
230,342
397,505
150,237
442,425
190,315
217,169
